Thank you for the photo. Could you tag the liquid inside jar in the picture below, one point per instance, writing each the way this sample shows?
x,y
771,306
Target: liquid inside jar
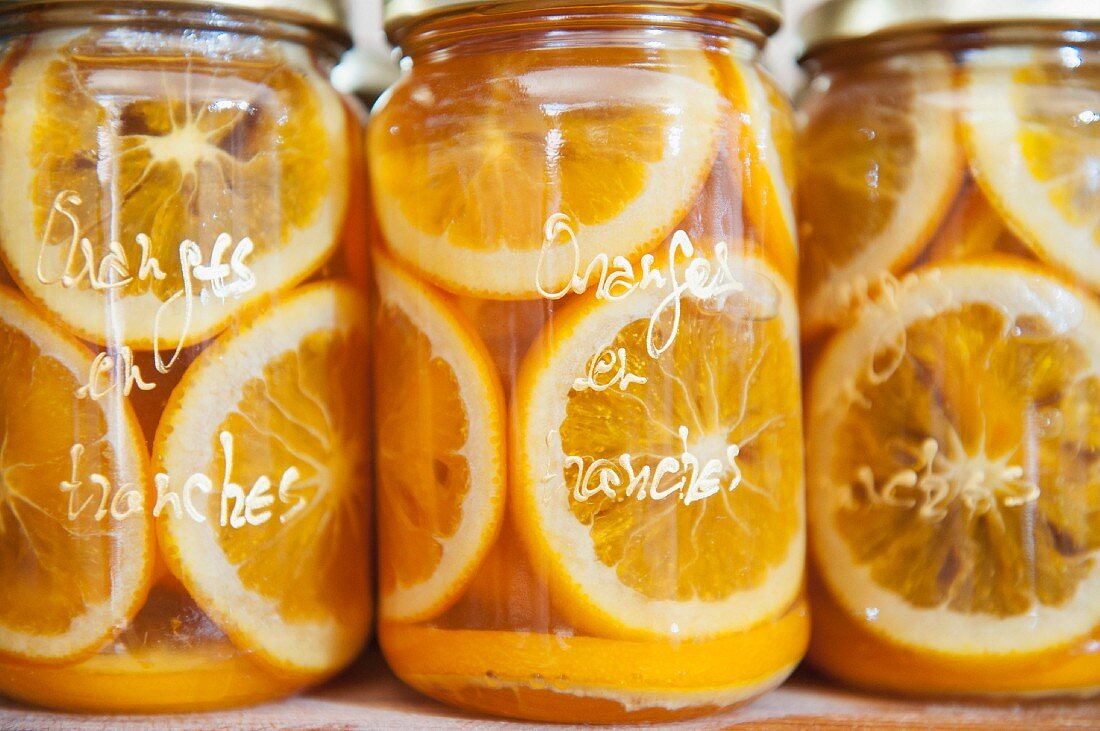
x,y
587,377
184,483
950,317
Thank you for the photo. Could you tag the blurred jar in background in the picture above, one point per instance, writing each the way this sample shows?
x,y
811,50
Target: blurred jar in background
x,y
184,482
950,219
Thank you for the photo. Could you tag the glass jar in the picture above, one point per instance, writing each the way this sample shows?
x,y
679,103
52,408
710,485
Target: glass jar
x,y
587,369
951,265
184,504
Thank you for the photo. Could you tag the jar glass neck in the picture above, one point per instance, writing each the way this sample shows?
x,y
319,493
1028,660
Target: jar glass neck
x,y
31,18
671,27
955,40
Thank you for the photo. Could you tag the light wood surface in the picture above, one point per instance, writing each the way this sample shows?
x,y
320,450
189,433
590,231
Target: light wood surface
x,y
369,697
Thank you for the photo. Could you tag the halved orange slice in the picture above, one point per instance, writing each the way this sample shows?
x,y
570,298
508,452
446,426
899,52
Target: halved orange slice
x,y
657,458
441,448
763,144
76,532
1029,127
473,159
879,165
955,493
229,171
264,441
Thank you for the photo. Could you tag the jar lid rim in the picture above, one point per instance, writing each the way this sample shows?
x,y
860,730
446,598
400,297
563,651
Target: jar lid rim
x,y
401,14
838,21
326,13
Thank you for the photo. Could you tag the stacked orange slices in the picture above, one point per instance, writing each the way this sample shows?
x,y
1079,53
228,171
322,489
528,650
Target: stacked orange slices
x,y
489,433
74,569
149,214
952,412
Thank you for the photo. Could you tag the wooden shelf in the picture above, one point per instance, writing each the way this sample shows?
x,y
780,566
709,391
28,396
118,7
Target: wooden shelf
x,y
369,697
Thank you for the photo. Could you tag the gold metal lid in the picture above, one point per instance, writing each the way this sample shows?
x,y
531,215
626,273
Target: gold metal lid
x,y
317,12
837,21
401,14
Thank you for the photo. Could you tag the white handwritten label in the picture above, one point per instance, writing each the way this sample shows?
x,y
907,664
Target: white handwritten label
x,y
703,278
224,274
97,498
109,372
606,369
941,478
685,476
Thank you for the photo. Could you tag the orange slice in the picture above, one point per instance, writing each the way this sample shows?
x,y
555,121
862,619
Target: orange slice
x,y
76,536
244,156
157,681
843,647
474,160
272,419
588,679
637,541
954,499
879,166
764,146
441,448
1029,127
973,229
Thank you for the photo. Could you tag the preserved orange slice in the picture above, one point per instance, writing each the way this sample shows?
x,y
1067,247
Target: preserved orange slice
x,y
842,644
764,147
954,501
262,442
219,196
76,533
972,229
182,680
1029,131
441,486
641,427
585,679
879,166
618,142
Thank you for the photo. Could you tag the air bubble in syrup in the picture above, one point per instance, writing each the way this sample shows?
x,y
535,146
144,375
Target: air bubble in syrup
x,y
1049,422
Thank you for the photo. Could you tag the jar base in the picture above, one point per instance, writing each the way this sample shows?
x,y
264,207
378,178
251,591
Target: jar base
x,y
576,679
854,655
573,706
157,681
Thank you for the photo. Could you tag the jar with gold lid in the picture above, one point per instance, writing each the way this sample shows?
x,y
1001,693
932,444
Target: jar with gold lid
x,y
950,219
184,504
587,368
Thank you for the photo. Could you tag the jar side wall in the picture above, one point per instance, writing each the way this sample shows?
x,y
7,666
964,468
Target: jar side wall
x,y
31,18
184,482
588,409
946,258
